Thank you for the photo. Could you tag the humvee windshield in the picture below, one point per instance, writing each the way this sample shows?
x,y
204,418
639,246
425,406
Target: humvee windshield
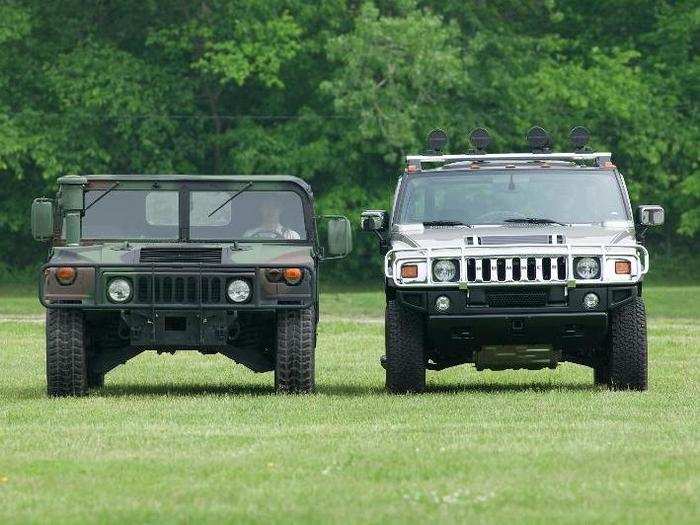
x,y
156,215
493,197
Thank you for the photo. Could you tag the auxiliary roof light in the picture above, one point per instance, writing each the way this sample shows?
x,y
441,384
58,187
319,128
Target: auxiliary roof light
x,y
480,139
579,137
437,140
539,140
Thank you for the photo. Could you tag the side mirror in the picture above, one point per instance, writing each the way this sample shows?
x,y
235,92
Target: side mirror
x,y
339,237
651,215
42,219
373,220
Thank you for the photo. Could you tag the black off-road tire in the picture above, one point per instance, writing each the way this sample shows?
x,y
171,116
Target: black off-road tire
x,y
296,348
624,366
66,356
405,353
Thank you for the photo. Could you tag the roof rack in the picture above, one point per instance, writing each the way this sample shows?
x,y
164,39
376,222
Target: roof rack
x,y
415,162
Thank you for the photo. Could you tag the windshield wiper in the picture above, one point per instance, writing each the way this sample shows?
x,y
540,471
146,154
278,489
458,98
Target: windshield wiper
x,y
232,197
446,223
102,196
535,220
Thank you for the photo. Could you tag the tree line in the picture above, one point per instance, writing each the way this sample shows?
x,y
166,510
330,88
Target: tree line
x,y
338,91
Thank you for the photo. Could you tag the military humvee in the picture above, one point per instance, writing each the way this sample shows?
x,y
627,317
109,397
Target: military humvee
x,y
218,264
516,260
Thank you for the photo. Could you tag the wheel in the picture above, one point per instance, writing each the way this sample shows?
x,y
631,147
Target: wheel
x,y
405,355
624,366
296,346
66,358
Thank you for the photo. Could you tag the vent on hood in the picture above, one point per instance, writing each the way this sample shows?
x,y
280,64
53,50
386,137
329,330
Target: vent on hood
x,y
491,240
181,255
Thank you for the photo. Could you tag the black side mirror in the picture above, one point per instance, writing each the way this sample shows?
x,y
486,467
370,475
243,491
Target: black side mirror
x,y
373,220
651,215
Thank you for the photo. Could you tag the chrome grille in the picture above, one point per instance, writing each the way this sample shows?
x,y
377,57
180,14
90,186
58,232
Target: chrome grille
x,y
515,269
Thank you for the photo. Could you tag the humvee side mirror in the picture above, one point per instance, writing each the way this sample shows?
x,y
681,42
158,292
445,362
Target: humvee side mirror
x,y
651,215
42,219
339,237
373,220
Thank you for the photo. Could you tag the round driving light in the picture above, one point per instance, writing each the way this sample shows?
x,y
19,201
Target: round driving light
x,y
442,303
119,290
587,268
238,291
590,301
444,270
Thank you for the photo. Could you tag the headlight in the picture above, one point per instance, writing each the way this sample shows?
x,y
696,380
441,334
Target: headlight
x,y
445,270
119,290
238,291
587,268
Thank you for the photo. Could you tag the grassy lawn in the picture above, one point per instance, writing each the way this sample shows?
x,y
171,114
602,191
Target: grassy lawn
x,y
192,438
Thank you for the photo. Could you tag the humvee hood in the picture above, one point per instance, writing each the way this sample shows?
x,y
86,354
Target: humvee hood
x,y
417,236
244,254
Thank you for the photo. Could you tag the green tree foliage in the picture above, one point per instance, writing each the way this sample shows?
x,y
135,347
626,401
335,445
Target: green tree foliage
x,y
338,91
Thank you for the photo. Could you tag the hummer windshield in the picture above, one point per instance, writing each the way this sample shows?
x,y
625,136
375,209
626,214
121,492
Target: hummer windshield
x,y
475,197
210,215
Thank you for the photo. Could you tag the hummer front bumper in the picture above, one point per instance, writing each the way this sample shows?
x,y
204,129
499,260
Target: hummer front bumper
x,y
471,322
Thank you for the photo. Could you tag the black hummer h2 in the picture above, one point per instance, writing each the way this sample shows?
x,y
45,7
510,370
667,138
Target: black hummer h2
x,y
511,261
219,264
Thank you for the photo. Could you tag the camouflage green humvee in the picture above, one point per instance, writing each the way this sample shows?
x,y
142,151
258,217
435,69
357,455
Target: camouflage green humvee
x,y
218,264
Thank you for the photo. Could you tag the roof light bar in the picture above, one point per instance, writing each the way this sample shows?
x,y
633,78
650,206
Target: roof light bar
x,y
539,140
579,137
480,139
437,140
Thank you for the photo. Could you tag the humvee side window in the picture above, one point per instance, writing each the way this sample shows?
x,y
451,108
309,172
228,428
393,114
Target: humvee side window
x,y
252,215
131,214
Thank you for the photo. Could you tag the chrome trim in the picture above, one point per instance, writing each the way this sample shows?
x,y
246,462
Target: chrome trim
x,y
637,254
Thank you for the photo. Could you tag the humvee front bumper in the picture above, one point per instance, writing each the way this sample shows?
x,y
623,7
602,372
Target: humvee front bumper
x,y
173,286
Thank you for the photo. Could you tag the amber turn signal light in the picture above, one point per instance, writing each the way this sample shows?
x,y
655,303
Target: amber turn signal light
x,y
65,275
409,271
623,267
293,275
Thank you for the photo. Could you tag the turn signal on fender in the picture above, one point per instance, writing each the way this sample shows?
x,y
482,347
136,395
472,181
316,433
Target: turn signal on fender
x,y
293,275
65,275
623,267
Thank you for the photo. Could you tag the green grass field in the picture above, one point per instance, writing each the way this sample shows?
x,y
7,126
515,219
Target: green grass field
x,y
191,438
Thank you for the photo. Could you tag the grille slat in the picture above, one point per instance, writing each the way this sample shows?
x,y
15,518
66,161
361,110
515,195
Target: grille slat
x,y
516,269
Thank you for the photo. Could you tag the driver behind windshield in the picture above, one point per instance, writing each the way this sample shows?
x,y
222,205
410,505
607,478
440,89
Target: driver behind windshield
x,y
270,226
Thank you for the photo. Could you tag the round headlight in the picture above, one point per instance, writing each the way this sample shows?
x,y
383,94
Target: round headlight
x,y
238,291
444,270
119,290
587,268
442,303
